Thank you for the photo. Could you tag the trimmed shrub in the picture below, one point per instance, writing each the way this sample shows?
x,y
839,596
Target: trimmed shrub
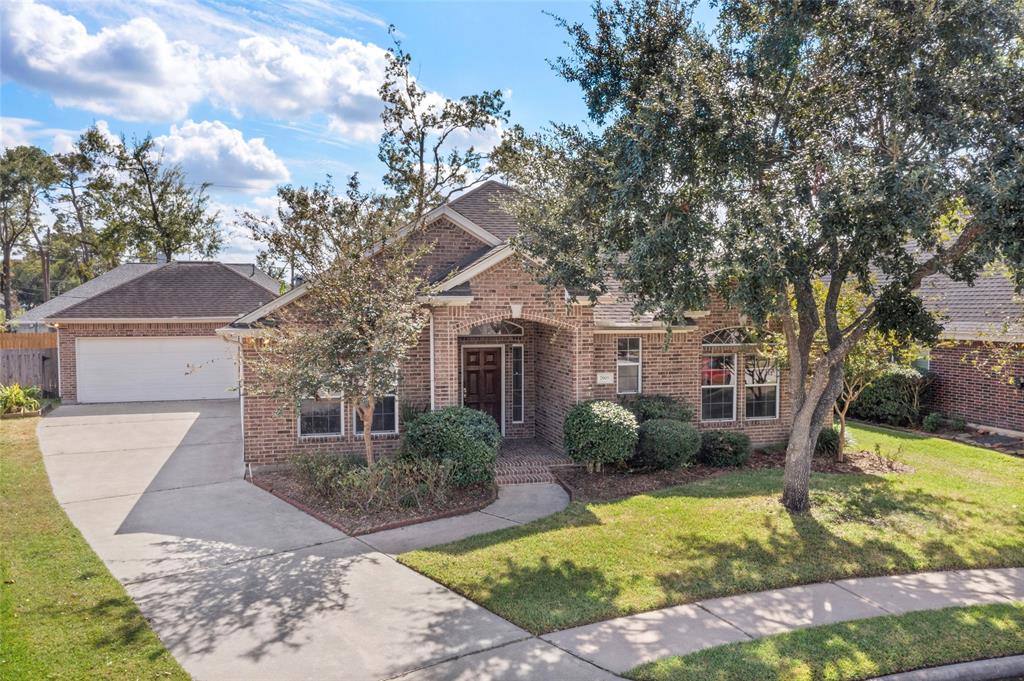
x,y
391,484
600,432
466,437
828,443
958,424
650,407
722,448
666,443
932,422
893,399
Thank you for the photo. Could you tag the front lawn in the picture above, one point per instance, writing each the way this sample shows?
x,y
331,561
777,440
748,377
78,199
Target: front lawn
x,y
856,650
62,614
961,507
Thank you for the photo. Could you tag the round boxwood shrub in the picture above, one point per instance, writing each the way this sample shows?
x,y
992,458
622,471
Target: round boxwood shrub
x,y
721,448
649,407
600,432
666,443
467,438
828,443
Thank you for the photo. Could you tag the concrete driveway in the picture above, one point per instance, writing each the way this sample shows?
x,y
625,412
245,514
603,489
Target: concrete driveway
x,y
239,584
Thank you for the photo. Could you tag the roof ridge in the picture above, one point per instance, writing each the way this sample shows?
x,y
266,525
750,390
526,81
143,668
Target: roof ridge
x,y
249,278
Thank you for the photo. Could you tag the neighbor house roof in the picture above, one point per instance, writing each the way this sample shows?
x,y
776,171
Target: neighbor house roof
x,y
988,310
177,290
93,287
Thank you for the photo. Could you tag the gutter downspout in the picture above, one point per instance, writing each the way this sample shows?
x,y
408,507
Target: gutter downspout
x,y
431,360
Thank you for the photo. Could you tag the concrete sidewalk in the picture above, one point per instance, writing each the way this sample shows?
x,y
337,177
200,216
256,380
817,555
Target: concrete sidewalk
x,y
620,644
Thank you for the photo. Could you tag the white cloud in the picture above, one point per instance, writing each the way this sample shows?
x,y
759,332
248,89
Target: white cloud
x,y
210,151
15,132
132,71
272,75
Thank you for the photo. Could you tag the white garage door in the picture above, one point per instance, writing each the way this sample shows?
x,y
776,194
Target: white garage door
x,y
148,369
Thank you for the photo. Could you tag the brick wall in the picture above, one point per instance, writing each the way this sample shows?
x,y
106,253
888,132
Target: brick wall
x,y
68,333
675,371
449,244
967,386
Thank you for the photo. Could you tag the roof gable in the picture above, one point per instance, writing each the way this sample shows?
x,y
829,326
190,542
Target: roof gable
x,y
482,206
176,290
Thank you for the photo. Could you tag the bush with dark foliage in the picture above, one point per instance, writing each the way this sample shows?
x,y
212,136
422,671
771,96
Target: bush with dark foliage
x,y
467,438
722,448
666,443
599,433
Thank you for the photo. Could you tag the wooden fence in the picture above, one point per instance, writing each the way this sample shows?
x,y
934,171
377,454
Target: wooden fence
x,y
29,359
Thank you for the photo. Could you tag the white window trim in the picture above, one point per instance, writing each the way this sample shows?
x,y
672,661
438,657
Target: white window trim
x,y
735,388
355,413
639,364
522,390
322,436
778,395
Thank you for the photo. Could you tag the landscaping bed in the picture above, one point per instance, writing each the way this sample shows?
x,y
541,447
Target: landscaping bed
x,y
615,484
286,485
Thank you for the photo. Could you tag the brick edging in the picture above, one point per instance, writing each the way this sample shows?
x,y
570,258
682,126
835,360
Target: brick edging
x,y
393,525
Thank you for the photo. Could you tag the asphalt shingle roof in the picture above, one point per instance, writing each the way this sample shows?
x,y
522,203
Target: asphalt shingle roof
x,y
177,290
987,309
482,206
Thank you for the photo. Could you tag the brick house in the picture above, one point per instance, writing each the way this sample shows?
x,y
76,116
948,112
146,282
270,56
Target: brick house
x,y
500,342
978,366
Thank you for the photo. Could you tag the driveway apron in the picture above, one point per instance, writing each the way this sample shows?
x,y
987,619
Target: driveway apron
x,y
240,585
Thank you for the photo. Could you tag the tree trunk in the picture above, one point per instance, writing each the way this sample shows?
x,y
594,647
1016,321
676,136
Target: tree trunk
x,y
8,301
44,259
841,451
807,423
367,416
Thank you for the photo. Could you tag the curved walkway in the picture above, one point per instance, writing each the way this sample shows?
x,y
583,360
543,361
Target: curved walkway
x,y
620,644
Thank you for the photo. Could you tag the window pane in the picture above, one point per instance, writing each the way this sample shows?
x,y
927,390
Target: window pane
x,y
718,370
320,417
517,384
629,349
629,378
761,402
384,415
716,404
761,371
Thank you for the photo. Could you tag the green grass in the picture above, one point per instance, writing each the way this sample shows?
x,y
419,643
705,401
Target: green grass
x,y
962,507
856,650
62,614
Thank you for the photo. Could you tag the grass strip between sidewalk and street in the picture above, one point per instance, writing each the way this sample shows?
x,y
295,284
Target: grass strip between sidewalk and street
x,y
857,650
62,614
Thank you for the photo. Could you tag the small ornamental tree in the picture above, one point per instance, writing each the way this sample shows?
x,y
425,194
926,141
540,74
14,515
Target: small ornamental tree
x,y
362,311
791,143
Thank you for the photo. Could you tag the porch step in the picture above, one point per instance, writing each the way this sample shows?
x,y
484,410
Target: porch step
x,y
523,462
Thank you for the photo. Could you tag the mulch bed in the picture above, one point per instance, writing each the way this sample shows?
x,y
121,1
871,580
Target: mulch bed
x,y
583,486
284,485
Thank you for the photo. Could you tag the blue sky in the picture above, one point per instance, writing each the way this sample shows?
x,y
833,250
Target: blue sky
x,y
249,95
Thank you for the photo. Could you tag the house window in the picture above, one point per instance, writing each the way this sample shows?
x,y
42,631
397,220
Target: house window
x,y
923,363
385,416
320,418
762,388
718,388
737,335
627,366
517,384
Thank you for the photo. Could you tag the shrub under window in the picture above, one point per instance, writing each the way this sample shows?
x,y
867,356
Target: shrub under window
x,y
647,407
466,437
600,432
666,443
723,448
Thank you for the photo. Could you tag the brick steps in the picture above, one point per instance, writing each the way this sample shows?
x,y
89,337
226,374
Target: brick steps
x,y
523,462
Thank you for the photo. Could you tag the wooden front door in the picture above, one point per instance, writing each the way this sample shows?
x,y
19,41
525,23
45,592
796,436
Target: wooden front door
x,y
481,380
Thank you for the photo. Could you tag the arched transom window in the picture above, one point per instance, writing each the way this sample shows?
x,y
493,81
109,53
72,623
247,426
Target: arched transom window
x,y
500,328
736,335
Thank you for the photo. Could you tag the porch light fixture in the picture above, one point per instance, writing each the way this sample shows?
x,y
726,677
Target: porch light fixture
x,y
517,310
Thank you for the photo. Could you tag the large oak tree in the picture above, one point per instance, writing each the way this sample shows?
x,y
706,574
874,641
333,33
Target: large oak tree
x,y
869,143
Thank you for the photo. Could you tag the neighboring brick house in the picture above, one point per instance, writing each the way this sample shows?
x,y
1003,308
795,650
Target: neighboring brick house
x,y
148,331
978,367
501,342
